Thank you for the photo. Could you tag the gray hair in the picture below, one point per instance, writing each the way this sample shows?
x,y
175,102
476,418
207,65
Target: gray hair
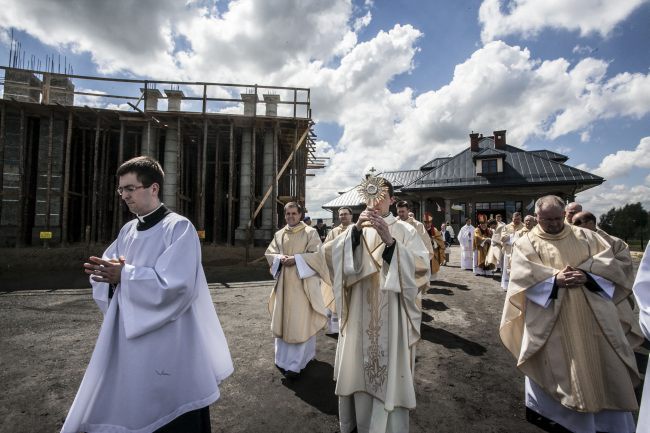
x,y
548,201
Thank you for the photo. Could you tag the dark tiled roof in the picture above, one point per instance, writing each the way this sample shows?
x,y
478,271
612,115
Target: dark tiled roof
x,y
489,152
401,178
435,163
520,168
350,198
553,156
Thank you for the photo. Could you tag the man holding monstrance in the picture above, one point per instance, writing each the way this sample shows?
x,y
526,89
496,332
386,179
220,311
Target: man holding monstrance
x,y
376,268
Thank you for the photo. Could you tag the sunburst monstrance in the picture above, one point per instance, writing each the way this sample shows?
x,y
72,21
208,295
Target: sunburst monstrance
x,y
372,190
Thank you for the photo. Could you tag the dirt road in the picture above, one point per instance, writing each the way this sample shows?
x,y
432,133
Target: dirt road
x,y
465,379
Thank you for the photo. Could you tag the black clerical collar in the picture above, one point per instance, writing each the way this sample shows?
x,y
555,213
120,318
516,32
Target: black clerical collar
x,y
151,219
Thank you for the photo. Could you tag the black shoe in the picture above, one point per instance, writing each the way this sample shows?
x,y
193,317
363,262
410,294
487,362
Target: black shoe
x,y
291,375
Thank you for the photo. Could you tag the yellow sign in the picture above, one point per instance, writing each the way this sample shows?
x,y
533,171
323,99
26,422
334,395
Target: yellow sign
x,y
201,234
45,235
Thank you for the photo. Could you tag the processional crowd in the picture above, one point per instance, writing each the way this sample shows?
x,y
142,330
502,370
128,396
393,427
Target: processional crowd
x,y
567,320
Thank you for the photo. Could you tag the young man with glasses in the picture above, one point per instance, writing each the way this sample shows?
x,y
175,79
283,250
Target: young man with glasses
x,y
161,352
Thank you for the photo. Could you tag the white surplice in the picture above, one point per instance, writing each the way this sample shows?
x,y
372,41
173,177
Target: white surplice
x,y
642,293
161,351
466,241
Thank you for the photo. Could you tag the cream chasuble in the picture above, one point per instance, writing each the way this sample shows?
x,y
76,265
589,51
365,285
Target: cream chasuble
x,y
426,240
466,241
575,349
295,305
380,323
642,294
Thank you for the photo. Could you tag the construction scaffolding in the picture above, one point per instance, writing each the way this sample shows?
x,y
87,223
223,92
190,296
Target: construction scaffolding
x,y
230,167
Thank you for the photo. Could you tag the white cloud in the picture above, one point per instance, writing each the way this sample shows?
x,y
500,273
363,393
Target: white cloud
x,y
529,17
600,199
585,136
622,162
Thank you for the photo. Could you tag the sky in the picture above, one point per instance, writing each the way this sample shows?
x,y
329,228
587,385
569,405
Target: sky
x,y
394,83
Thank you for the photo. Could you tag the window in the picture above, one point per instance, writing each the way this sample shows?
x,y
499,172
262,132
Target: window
x,y
489,166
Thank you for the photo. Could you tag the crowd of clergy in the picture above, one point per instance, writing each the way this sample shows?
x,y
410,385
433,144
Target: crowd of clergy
x,y
567,319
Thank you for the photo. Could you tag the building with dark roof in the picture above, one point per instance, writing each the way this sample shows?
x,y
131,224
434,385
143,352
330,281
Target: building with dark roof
x,y
490,177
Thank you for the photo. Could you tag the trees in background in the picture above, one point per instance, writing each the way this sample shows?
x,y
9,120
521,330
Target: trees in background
x,y
629,222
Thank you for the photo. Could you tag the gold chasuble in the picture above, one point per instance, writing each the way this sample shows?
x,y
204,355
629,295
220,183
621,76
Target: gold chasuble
x,y
438,250
482,247
380,320
575,349
295,305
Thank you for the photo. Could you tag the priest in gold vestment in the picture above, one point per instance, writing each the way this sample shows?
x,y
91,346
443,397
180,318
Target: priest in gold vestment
x,y
376,271
562,322
296,303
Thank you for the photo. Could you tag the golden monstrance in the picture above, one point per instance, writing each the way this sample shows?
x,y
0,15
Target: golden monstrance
x,y
372,190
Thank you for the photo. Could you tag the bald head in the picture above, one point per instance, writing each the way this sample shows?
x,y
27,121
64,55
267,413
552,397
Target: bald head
x,y
571,209
585,220
550,213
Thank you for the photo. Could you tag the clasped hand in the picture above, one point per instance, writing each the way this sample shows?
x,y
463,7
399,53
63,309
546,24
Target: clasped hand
x,y
378,223
570,277
287,260
104,271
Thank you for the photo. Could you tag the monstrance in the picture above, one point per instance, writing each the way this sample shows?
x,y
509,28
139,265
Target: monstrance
x,y
372,190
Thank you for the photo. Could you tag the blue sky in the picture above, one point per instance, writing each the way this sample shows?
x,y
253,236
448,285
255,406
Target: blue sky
x,y
394,83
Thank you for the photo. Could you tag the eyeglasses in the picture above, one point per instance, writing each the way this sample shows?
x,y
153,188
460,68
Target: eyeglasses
x,y
129,188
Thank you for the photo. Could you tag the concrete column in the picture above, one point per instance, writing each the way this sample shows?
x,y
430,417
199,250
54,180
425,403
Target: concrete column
x,y
245,176
149,145
171,167
266,230
271,104
174,98
250,103
447,210
151,97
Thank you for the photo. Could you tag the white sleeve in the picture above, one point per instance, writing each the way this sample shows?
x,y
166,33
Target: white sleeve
x,y
151,297
100,290
605,284
304,271
275,267
642,292
540,293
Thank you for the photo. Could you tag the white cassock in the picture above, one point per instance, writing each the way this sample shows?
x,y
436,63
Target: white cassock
x,y
642,293
161,351
466,240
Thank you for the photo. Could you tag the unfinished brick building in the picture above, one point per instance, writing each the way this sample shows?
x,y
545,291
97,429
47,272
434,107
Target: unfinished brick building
x,y
233,154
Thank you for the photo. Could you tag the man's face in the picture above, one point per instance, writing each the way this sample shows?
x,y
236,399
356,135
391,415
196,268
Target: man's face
x,y
468,222
383,206
551,219
499,218
427,225
345,217
403,213
516,219
581,221
529,222
483,226
572,209
292,216
140,200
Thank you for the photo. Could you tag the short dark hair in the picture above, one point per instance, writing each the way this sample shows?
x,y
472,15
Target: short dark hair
x,y
585,216
387,184
146,169
293,204
346,208
491,222
403,203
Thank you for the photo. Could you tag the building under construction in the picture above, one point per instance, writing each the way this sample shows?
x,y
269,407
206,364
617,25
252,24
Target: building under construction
x,y
233,154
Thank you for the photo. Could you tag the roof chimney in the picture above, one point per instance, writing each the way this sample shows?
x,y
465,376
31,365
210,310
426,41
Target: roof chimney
x,y
473,142
500,139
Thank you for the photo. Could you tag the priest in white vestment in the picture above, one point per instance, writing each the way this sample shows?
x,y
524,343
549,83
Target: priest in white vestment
x,y
466,242
296,303
507,238
345,217
161,353
642,294
376,271
564,322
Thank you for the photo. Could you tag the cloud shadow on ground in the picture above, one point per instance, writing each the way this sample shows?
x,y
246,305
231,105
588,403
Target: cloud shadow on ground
x,y
451,340
428,304
315,386
448,284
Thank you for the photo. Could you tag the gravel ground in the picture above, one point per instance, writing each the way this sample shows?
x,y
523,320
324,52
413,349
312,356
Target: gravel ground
x,y
465,379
